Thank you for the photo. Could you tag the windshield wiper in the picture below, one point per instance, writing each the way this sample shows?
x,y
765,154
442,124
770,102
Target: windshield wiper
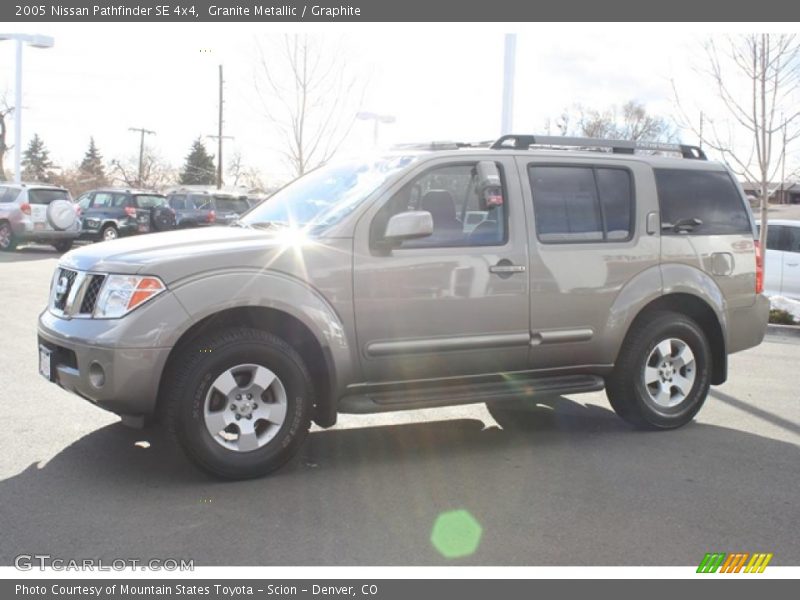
x,y
240,223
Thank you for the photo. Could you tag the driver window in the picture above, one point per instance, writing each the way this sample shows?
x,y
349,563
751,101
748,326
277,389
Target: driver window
x,y
450,194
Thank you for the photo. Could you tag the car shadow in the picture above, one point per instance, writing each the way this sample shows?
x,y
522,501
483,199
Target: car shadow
x,y
571,485
30,252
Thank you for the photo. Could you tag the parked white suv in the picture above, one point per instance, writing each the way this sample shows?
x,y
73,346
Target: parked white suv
x,y
37,213
783,259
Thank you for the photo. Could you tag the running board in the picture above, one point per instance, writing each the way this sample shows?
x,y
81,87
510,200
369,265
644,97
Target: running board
x,y
433,395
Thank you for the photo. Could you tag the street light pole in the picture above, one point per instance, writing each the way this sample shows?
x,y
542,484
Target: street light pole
x,y
142,131
376,120
509,67
35,41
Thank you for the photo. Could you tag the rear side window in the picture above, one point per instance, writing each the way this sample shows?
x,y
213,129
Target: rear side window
x,y
46,196
8,194
792,239
178,202
581,204
709,196
148,201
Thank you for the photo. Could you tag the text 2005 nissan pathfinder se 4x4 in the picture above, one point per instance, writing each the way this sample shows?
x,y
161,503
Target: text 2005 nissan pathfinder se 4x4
x,y
362,287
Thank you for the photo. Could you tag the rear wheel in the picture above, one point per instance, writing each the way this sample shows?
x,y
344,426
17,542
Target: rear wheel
x,y
239,402
663,372
108,233
7,240
63,246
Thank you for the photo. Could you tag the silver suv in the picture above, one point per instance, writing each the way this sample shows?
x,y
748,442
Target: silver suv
x,y
37,213
363,287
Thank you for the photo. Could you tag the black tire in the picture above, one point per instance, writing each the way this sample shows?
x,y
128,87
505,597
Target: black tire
x,y
162,218
626,388
8,242
191,378
63,246
108,233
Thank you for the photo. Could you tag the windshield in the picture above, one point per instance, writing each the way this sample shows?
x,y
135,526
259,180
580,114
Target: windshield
x,y
323,197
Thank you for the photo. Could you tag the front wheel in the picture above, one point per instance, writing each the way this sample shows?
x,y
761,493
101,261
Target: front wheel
x,y
663,373
109,233
7,240
63,246
239,402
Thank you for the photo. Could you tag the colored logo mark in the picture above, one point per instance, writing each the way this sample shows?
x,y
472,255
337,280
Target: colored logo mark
x,y
736,562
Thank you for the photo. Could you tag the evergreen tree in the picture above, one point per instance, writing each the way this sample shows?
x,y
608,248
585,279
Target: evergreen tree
x,y
199,167
91,168
36,164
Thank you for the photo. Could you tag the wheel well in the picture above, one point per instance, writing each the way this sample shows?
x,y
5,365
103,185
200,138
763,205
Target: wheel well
x,y
699,311
282,324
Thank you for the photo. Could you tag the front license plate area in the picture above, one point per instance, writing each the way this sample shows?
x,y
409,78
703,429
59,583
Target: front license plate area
x,y
45,364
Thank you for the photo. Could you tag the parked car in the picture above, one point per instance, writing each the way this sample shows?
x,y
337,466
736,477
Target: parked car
x,y
360,288
202,208
107,214
783,259
37,213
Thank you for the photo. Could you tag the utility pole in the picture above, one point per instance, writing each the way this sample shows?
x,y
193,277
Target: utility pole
x,y
142,131
219,137
509,68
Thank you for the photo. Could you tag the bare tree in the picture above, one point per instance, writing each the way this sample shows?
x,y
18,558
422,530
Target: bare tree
x,y
5,112
309,97
236,168
756,79
156,172
630,122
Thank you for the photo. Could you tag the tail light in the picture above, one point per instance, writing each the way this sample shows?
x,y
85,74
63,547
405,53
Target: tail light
x,y
212,217
759,267
25,208
130,211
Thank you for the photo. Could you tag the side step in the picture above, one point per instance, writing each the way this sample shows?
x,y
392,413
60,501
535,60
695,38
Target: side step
x,y
431,395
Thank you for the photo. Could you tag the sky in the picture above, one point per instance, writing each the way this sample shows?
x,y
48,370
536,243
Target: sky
x,y
439,81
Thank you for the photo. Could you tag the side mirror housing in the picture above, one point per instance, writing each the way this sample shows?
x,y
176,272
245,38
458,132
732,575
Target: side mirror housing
x,y
408,225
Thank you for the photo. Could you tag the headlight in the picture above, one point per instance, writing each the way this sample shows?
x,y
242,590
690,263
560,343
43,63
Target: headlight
x,y
120,294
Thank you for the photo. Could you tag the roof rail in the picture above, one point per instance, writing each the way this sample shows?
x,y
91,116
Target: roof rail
x,y
441,145
523,142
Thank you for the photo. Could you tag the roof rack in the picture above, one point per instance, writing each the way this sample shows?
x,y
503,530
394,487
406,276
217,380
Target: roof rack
x,y
523,142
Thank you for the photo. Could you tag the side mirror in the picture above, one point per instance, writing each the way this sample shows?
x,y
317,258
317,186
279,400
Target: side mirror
x,y
408,225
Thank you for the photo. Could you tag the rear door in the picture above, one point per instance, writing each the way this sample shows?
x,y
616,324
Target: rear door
x,y
39,199
588,240
791,263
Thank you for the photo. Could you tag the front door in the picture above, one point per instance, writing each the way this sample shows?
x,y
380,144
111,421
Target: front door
x,y
456,302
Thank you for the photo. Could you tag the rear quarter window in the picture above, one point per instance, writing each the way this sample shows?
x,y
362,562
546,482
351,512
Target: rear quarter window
x,y
710,196
8,194
46,196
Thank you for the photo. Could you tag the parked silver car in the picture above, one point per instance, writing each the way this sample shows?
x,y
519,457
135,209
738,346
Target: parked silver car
x,y
37,213
361,287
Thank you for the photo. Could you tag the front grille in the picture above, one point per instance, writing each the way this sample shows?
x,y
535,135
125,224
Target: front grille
x,y
91,293
76,292
64,283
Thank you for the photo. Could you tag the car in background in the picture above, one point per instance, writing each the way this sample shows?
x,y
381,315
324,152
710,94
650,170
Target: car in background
x,y
783,259
202,208
37,213
107,214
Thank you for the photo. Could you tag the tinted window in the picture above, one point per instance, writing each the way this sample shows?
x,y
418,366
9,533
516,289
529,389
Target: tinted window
x,y
8,194
229,204
775,239
709,196
178,202
581,204
448,193
792,239
108,199
46,196
149,201
200,202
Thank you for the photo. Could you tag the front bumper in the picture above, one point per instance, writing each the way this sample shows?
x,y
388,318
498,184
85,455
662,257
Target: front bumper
x,y
82,348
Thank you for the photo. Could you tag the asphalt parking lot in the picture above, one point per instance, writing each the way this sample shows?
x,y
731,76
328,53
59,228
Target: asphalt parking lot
x,y
575,486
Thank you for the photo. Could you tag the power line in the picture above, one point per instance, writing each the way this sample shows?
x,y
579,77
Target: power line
x,y
219,137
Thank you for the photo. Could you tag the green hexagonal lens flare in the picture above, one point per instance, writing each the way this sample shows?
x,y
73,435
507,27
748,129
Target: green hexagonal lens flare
x,y
456,534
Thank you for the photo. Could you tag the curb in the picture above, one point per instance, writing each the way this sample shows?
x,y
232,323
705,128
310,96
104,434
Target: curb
x,y
783,331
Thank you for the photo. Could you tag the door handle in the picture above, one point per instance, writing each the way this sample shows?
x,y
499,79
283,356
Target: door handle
x,y
792,264
507,268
